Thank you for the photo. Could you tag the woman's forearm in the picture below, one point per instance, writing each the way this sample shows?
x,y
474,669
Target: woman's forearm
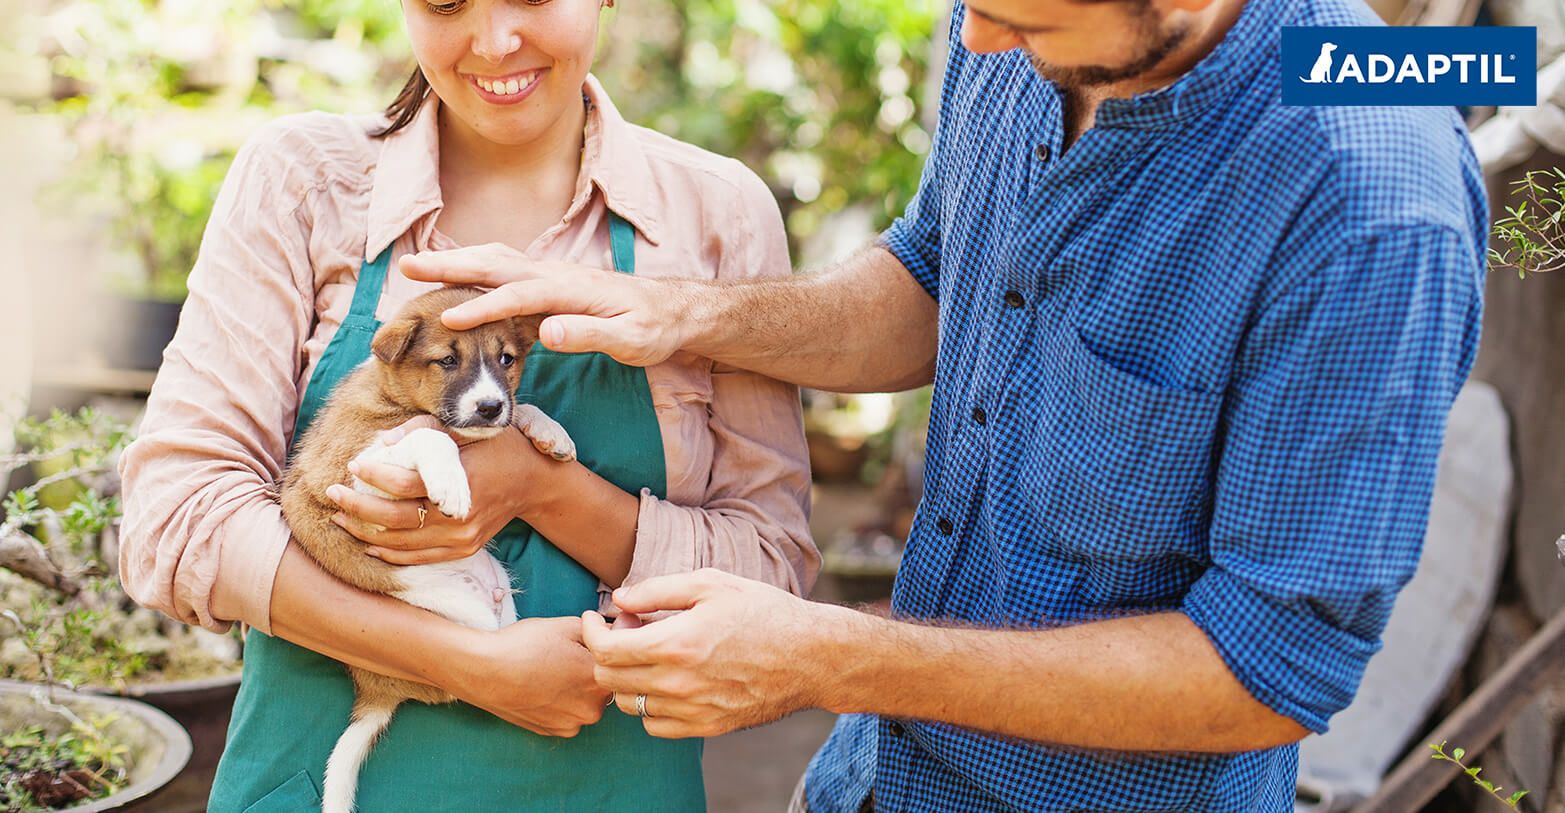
x,y
588,518
315,610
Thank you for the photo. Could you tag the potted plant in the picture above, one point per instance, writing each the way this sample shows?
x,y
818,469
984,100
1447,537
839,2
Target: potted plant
x,y
60,749
58,578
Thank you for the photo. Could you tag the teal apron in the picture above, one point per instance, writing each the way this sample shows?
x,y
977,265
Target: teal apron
x,y
293,703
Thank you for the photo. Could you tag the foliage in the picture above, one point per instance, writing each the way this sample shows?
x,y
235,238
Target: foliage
x,y
1533,232
818,96
821,97
40,772
1456,757
73,624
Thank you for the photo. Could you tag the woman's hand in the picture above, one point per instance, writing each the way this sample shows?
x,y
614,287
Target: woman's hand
x,y
414,532
535,674
634,319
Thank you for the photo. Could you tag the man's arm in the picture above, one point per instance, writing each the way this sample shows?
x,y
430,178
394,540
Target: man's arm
x,y
745,654
864,325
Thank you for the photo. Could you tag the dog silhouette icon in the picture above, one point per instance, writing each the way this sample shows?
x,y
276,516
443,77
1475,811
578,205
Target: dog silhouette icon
x,y
1321,72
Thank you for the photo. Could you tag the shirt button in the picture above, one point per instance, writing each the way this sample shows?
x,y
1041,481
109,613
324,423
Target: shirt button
x,y
896,729
944,526
979,416
1042,152
1014,299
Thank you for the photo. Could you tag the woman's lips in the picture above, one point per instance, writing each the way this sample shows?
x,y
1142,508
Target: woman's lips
x,y
508,89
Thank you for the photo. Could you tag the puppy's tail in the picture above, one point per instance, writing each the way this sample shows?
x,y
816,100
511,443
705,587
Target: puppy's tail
x,y
342,769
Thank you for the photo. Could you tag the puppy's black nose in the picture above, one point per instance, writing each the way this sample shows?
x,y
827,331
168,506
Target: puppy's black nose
x,y
490,409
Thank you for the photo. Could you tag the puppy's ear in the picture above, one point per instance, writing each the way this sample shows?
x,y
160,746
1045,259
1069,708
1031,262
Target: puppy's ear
x,y
394,339
525,328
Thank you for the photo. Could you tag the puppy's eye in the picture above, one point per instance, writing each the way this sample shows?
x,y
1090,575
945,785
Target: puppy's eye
x,y
449,362
506,359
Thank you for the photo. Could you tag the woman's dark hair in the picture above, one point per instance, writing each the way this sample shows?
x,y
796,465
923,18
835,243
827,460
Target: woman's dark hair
x,y
403,108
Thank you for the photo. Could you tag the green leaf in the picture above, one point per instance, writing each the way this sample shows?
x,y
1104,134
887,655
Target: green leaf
x,y
1459,753
1516,797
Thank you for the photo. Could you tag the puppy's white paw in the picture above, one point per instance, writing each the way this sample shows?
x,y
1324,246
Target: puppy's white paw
x,y
438,461
545,432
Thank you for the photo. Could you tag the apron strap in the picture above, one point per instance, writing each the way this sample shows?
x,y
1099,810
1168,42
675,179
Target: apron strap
x,y
372,277
622,242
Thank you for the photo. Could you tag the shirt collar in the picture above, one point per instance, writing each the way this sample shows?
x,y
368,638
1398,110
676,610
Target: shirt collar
x,y
1252,43
405,183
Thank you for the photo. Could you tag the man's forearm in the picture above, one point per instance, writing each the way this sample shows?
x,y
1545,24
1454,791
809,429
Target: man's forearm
x,y
864,325
1149,683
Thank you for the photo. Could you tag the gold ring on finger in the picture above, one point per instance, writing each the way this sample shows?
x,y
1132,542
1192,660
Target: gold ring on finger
x,y
422,514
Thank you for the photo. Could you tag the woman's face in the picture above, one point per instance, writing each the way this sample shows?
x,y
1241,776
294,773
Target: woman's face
x,y
507,69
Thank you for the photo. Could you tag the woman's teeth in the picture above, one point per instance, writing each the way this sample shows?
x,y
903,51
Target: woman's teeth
x,y
509,87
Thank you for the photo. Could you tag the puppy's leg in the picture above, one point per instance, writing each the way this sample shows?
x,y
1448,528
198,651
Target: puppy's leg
x,y
545,432
435,456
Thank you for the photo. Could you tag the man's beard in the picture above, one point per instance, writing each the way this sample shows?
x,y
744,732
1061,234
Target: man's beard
x,y
1158,42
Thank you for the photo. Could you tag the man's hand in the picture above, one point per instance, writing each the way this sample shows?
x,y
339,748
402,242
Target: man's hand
x,y
534,674
636,320
741,654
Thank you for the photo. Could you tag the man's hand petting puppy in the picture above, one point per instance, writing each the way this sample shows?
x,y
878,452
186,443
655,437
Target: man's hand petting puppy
x,y
410,530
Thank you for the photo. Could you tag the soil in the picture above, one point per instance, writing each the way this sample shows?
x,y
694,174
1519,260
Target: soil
x,y
51,783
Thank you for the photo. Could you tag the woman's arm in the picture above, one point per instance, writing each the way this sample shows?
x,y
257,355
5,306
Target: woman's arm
x,y
202,532
534,673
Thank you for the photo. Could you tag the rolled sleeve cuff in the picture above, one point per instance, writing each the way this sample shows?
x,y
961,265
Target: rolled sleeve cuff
x,y
1286,656
246,571
665,543
904,245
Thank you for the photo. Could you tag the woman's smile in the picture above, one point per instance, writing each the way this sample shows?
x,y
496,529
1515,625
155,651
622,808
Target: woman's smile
x,y
508,89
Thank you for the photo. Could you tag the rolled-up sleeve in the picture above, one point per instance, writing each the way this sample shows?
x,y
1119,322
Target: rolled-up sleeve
x,y
1331,438
202,530
753,518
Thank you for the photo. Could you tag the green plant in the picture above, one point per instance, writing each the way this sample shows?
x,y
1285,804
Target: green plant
x,y
40,772
822,98
1489,787
1533,232
73,623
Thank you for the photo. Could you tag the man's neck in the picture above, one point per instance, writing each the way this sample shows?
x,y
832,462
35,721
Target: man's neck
x,y
1209,28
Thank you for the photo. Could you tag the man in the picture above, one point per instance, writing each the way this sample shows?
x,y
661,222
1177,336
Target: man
x,y
1195,351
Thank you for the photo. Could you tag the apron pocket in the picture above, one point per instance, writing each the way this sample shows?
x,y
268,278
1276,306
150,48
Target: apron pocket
x,y
297,795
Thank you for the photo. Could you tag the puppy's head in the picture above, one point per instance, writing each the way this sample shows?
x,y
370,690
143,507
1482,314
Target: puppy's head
x,y
467,379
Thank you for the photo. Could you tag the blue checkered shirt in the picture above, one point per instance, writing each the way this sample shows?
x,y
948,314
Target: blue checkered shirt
x,y
1199,362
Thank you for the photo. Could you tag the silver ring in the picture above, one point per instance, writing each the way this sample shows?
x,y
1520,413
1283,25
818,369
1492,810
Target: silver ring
x,y
641,706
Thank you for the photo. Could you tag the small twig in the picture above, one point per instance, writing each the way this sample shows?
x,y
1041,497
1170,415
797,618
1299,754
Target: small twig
x,y
24,555
10,463
1492,789
68,474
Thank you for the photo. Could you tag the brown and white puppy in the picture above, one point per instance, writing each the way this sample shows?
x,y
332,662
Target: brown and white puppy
x,y
466,380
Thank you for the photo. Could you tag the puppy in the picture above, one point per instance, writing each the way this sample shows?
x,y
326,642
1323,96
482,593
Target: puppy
x,y
466,380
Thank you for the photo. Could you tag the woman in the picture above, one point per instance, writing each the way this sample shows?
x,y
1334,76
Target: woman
x,y
501,136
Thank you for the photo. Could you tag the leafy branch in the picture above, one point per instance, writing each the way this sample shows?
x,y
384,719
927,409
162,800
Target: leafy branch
x,y
1492,789
1533,232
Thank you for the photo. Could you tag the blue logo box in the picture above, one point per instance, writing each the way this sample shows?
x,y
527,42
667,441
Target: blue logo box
x,y
1409,66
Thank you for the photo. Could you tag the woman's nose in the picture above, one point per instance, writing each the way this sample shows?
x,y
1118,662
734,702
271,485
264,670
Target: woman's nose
x,y
497,34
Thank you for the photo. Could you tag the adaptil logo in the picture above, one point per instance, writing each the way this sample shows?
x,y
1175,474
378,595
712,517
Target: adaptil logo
x,y
1374,65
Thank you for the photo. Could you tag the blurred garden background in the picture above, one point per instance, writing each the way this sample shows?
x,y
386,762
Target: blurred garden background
x,y
118,119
